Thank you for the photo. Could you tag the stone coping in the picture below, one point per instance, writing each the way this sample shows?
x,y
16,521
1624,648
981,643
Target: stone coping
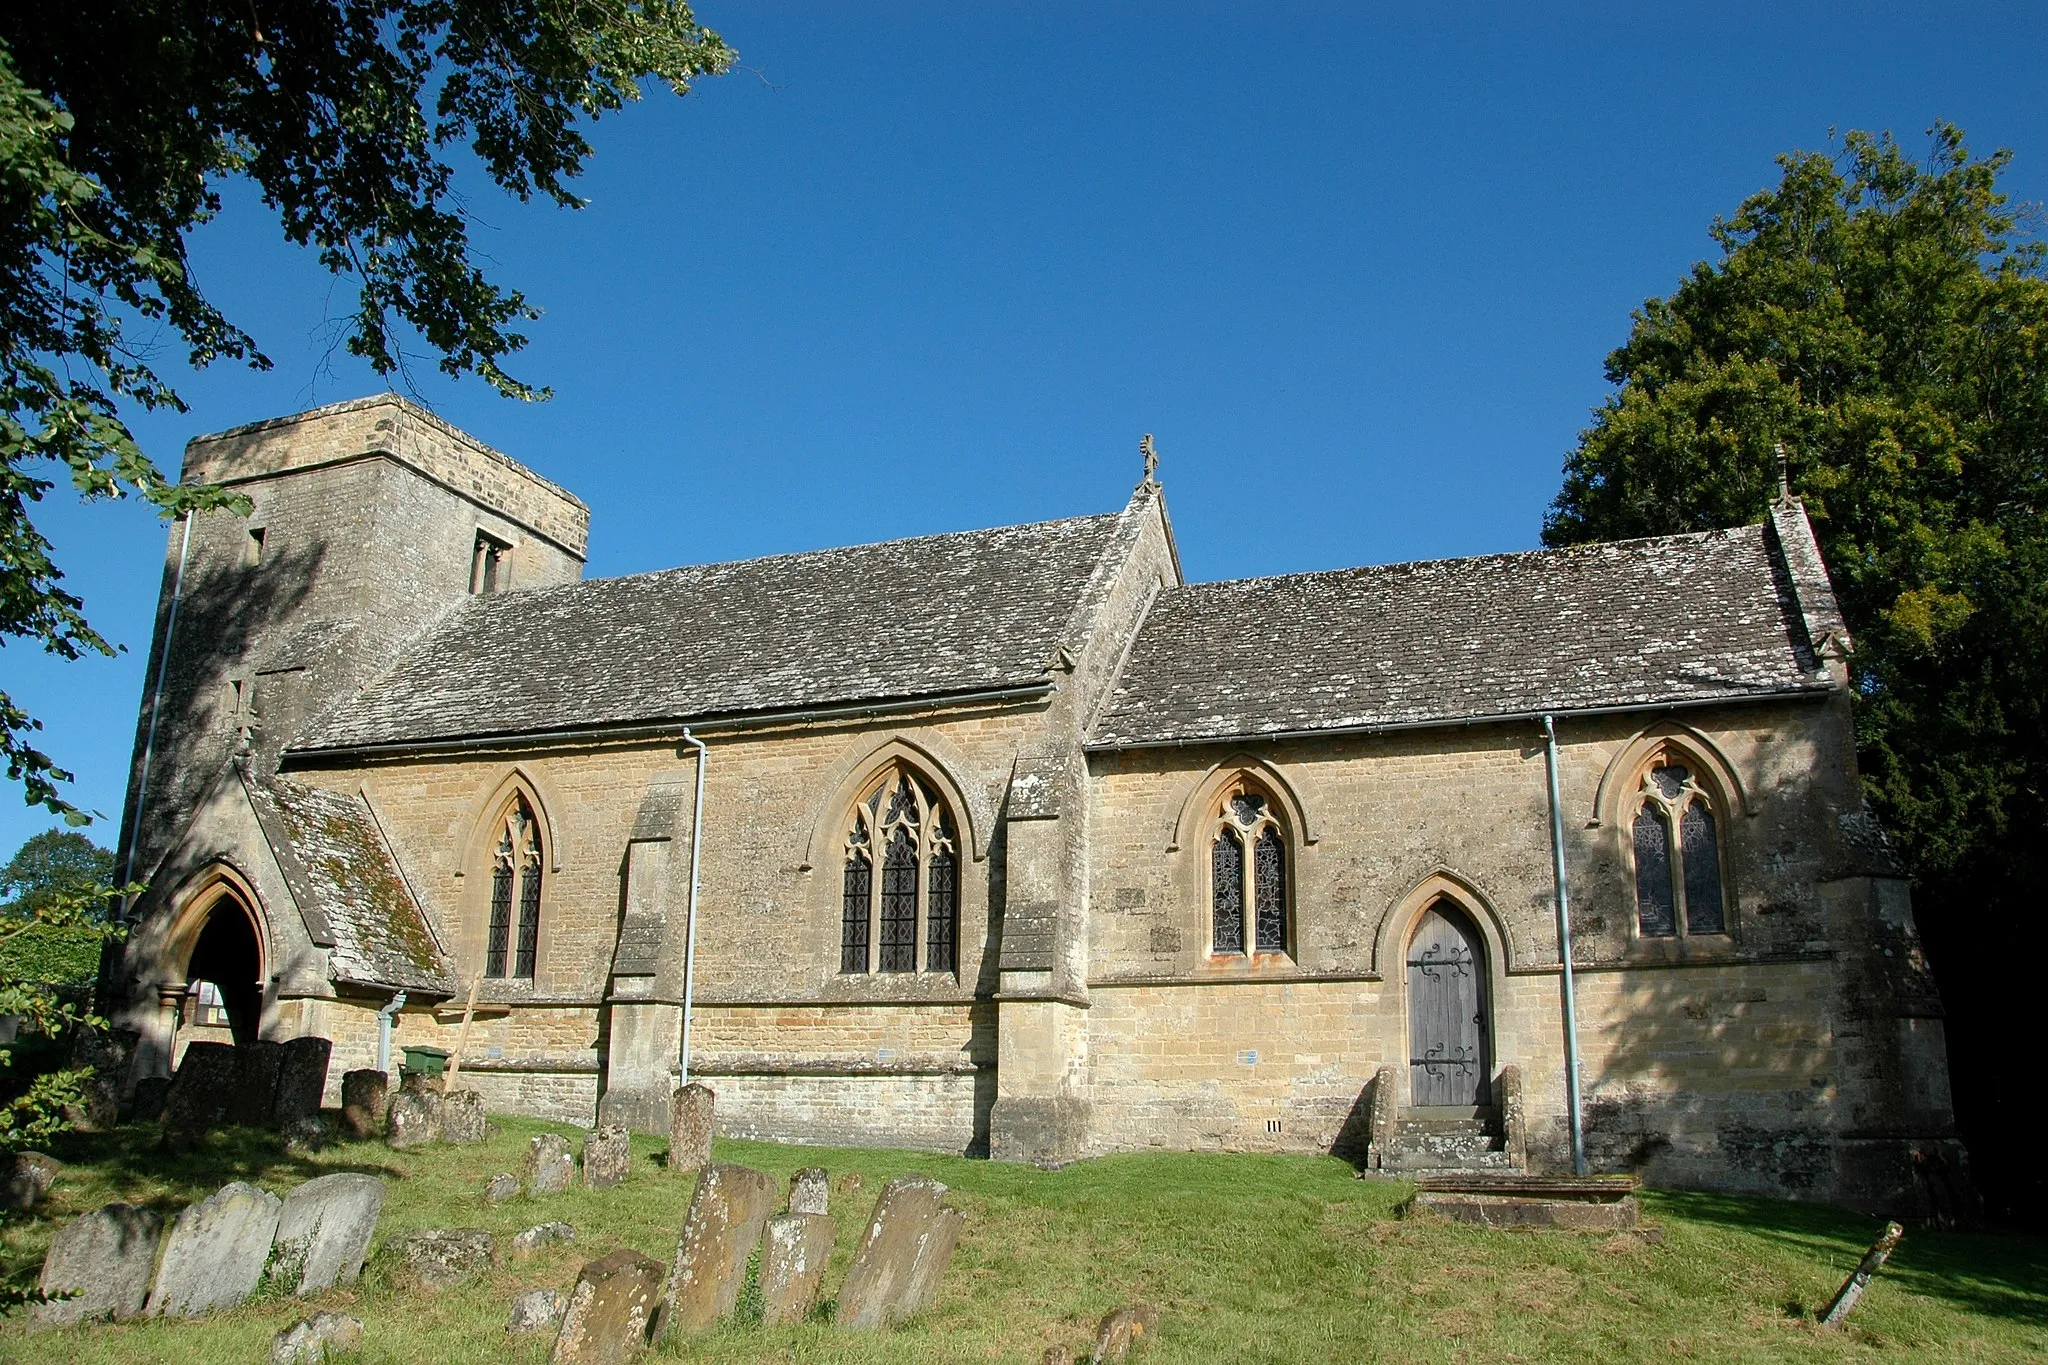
x,y
1585,1189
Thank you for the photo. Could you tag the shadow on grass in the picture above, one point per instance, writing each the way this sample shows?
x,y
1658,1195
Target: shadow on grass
x,y
135,1158
1997,1274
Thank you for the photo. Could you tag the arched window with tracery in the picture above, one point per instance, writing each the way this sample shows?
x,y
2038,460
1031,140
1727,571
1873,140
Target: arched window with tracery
x,y
515,891
1248,874
900,893
1677,843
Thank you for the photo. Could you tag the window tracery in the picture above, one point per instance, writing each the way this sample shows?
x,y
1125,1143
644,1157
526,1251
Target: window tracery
x,y
512,948
1248,875
1677,847
907,918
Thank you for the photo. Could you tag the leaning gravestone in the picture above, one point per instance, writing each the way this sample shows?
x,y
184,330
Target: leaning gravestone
x,y
722,1229
607,1155
414,1120
810,1191
462,1117
323,1231
104,1261
606,1322
689,1128
363,1099
793,1258
215,1253
199,1093
443,1256
256,1068
908,1244
548,1168
301,1080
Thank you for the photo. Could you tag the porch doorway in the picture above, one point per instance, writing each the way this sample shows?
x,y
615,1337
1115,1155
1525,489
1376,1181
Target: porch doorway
x,y
1449,1048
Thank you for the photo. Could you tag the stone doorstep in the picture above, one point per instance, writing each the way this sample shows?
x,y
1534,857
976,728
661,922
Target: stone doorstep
x,y
1512,1211
1587,1189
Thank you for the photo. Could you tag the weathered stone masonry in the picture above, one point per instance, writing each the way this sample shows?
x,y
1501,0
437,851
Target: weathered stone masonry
x,y
348,729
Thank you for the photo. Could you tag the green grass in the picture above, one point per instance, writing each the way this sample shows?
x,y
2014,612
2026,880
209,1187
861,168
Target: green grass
x,y
1249,1258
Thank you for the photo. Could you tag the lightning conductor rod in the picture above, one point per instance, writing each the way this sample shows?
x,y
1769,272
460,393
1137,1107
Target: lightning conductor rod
x,y
156,703
690,938
1564,950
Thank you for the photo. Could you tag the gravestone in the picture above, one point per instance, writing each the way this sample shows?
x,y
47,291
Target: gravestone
x,y
363,1101
851,1183
606,1321
314,1340
529,1242
908,1244
607,1155
25,1178
721,1230
301,1080
810,1191
793,1258
256,1068
1121,1328
690,1124
548,1168
324,1230
500,1187
537,1310
440,1257
462,1117
215,1252
414,1119
104,1260
107,1055
146,1105
199,1093
306,1134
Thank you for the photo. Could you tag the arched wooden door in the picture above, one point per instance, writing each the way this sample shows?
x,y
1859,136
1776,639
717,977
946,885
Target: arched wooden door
x,y
1449,1059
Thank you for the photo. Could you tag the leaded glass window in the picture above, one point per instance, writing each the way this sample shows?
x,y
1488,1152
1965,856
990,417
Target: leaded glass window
x,y
907,918
1678,879
1248,875
515,881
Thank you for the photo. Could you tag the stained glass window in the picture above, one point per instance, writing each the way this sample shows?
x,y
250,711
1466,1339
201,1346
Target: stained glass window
x,y
501,910
1654,909
909,908
899,904
1703,909
853,915
1678,888
1248,875
515,879
1269,877
1226,877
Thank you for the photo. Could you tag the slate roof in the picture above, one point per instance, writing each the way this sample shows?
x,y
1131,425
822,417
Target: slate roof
x,y
1689,618
350,891
965,612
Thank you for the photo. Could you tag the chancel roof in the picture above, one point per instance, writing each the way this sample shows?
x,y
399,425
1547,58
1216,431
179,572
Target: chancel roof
x,y
971,611
1668,620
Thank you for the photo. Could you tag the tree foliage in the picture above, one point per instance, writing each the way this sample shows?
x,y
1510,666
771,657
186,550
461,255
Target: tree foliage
x,y
119,123
51,866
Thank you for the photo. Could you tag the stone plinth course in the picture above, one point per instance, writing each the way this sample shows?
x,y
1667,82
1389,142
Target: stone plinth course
x,y
690,1125
257,1066
537,1310
301,1080
198,1095
215,1253
462,1117
609,1309
903,1254
364,1096
531,1241
607,1155
414,1119
439,1257
723,1227
322,1337
324,1230
794,1254
548,1167
104,1260
810,1191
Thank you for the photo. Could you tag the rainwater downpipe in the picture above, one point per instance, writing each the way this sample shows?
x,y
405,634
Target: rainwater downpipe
x,y
1564,950
690,937
391,1007
156,700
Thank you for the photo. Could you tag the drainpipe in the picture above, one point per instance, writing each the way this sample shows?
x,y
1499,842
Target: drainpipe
x,y
391,1007
1564,949
690,939
156,697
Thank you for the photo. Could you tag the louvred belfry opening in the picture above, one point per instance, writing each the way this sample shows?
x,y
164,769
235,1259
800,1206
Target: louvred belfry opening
x,y
904,916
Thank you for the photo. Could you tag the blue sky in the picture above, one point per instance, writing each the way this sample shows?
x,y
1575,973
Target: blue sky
x,y
926,267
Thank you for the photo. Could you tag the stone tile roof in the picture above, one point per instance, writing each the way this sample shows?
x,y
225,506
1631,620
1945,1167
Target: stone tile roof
x,y
351,893
964,612
1687,618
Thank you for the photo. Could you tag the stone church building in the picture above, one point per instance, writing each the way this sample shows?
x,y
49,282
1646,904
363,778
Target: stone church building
x,y
1013,842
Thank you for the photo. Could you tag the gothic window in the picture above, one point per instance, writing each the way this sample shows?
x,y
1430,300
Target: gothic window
x,y
1247,875
515,890
1678,856
907,918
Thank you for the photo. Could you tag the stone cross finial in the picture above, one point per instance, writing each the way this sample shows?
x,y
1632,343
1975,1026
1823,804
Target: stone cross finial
x,y
1150,453
1784,476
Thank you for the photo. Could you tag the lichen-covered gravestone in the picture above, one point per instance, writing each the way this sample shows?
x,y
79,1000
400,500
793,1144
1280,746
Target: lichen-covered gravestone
x,y
256,1068
215,1252
500,1187
689,1128
301,1080
793,1258
316,1340
414,1119
810,1191
548,1168
364,1096
721,1230
443,1256
606,1322
462,1117
323,1231
903,1254
607,1155
106,1056
199,1093
537,1310
530,1242
104,1261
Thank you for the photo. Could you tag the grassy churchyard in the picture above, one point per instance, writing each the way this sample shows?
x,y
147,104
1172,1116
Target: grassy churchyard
x,y
1249,1258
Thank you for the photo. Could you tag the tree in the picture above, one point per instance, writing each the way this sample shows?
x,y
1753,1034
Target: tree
x,y
1887,322
49,867
119,121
